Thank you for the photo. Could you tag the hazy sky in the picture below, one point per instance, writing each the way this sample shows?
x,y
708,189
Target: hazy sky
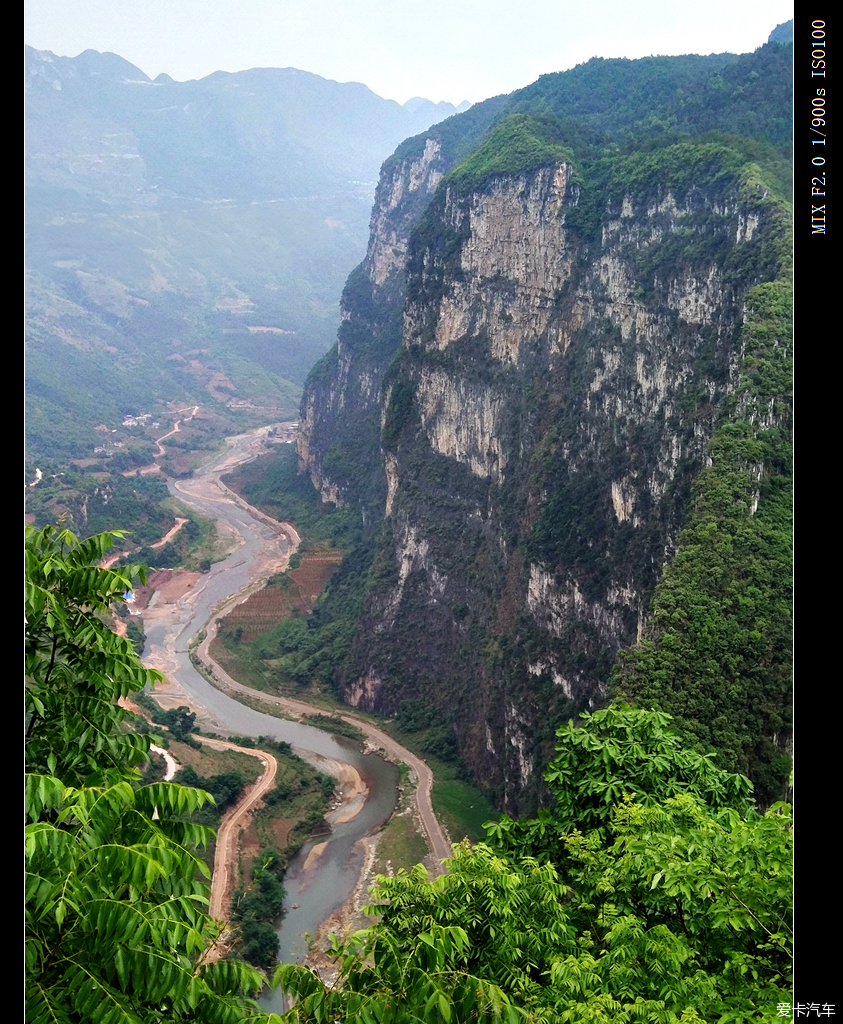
x,y
441,49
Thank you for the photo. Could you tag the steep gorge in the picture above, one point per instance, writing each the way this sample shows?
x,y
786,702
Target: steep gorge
x,y
544,338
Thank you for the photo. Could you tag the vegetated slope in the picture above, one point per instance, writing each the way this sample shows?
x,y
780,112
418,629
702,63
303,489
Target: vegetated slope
x,y
565,314
717,652
164,219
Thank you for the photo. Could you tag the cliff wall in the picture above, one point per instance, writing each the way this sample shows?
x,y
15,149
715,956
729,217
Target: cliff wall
x,y
340,415
530,371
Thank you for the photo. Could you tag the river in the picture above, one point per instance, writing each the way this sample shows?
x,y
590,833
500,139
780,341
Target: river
x,y
332,874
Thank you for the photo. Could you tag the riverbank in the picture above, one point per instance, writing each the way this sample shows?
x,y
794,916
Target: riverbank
x,y
172,623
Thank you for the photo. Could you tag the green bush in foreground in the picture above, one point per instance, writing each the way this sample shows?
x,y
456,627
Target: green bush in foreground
x,y
653,893
116,899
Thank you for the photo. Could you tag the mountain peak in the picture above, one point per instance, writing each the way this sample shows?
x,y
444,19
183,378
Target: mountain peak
x,y
108,66
782,33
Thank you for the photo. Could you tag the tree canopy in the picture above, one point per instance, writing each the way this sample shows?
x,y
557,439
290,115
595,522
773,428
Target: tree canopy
x,y
116,899
77,669
653,891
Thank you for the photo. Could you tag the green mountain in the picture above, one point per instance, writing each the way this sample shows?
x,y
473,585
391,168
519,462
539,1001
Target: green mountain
x,y
782,33
182,235
560,401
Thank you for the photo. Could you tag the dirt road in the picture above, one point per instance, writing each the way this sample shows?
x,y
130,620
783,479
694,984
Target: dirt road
x,y
168,536
234,819
436,840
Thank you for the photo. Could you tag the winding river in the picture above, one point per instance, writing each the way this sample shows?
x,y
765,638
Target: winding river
x,y
322,882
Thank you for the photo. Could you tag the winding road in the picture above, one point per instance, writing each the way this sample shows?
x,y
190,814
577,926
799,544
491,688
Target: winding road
x,y
225,854
436,840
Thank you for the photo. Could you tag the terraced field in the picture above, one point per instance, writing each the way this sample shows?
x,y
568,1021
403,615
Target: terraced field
x,y
289,594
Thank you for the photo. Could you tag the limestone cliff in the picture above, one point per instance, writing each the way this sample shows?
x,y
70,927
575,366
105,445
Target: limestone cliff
x,y
346,385
530,369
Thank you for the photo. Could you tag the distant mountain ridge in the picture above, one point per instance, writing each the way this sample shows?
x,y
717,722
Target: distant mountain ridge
x,y
168,217
262,133
782,33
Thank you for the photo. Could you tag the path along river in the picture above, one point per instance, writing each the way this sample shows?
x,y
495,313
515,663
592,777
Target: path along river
x,y
318,881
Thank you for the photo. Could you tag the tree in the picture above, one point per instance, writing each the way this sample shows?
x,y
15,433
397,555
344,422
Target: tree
x,y
616,751
683,907
511,911
652,892
629,750
117,927
77,669
382,980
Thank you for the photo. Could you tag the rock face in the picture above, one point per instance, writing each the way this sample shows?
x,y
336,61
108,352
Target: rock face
x,y
522,393
340,416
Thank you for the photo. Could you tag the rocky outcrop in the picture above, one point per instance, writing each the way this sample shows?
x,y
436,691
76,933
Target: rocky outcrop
x,y
402,184
340,417
514,232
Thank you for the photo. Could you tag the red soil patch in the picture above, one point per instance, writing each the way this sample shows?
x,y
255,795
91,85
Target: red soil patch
x,y
281,828
171,584
297,595
250,850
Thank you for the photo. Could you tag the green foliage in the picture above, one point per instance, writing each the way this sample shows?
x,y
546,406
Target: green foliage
x,y
116,923
180,721
76,668
462,808
675,169
383,980
225,787
94,505
517,144
676,909
414,715
442,744
631,102
117,930
623,750
195,538
616,753
511,912
683,908
335,725
717,654
399,411
135,632
257,940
